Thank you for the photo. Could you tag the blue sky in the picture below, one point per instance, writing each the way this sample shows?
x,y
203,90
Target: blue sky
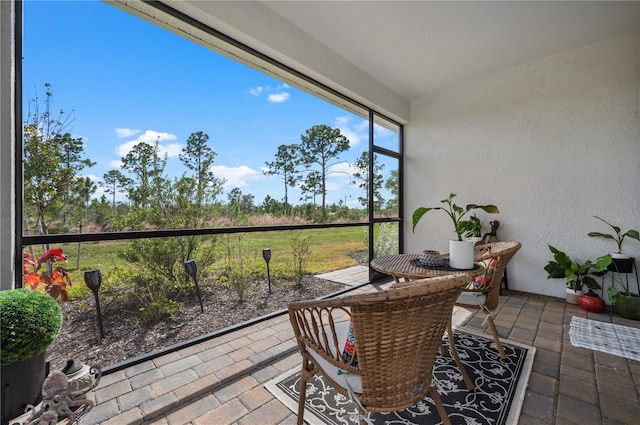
x,y
128,81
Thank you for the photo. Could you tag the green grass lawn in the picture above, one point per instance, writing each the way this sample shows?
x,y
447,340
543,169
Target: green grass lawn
x,y
329,250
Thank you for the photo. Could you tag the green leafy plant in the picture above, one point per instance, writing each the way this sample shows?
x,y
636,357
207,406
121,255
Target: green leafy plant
x,y
472,227
613,292
455,212
54,278
576,275
29,323
618,237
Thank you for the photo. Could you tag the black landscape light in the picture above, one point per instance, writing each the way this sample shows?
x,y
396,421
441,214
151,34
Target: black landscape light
x,y
191,268
93,279
266,254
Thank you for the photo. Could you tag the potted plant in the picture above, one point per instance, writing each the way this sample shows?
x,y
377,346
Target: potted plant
x,y
460,251
29,323
622,263
577,275
473,229
627,303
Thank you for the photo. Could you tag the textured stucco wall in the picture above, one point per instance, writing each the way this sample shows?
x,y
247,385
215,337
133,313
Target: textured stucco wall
x,y
551,143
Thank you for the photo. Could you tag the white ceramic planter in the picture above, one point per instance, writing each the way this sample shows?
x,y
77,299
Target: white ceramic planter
x,y
620,255
461,254
572,296
475,239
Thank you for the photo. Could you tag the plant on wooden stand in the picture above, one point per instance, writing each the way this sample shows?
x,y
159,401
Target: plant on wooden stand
x,y
627,303
622,263
618,237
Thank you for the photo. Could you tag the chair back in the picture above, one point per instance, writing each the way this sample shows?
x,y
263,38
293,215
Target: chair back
x,y
398,337
502,252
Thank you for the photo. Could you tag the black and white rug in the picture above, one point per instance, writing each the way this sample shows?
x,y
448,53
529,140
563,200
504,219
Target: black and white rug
x,y
496,400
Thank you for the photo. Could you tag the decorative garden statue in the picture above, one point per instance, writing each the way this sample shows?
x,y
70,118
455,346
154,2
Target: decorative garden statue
x,y
491,236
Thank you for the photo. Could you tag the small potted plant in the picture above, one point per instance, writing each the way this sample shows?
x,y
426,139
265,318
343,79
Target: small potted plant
x,y
577,275
622,263
473,229
460,251
627,303
29,323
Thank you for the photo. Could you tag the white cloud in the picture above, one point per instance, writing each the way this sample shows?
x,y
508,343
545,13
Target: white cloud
x,y
126,132
277,94
123,149
172,150
341,168
93,178
150,137
379,131
355,133
339,176
278,97
236,176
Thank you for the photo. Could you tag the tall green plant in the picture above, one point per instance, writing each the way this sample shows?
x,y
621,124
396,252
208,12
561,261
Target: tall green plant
x,y
239,267
618,237
301,251
455,212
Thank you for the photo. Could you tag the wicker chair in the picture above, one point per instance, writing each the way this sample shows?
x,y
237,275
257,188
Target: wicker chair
x,y
398,333
484,294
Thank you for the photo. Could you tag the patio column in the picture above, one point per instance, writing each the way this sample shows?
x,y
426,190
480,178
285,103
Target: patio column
x,y
8,55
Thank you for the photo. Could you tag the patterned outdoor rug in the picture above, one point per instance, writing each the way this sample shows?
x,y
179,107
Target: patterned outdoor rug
x,y
618,340
496,400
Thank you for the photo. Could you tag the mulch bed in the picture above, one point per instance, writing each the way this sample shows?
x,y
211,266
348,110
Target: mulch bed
x,y
128,335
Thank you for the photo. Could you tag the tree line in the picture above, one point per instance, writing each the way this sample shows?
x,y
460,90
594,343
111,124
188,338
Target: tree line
x,y
58,197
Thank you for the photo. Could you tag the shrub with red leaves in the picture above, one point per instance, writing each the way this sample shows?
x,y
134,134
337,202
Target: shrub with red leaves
x,y
54,278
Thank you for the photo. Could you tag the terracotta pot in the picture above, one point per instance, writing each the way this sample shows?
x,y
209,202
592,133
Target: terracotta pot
x,y
591,302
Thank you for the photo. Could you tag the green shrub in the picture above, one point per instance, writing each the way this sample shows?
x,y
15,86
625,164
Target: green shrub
x,y
29,323
300,250
386,241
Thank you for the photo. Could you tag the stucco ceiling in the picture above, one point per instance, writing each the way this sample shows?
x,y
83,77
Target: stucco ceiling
x,y
416,48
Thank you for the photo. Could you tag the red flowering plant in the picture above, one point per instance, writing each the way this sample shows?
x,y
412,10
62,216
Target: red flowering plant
x,y
54,278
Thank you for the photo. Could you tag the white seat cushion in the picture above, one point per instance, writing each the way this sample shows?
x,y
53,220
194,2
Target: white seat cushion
x,y
341,377
471,298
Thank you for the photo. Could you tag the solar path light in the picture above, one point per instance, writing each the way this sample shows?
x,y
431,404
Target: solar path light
x,y
192,270
93,280
266,254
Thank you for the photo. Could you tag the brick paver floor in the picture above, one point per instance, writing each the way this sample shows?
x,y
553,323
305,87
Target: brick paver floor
x,y
221,381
